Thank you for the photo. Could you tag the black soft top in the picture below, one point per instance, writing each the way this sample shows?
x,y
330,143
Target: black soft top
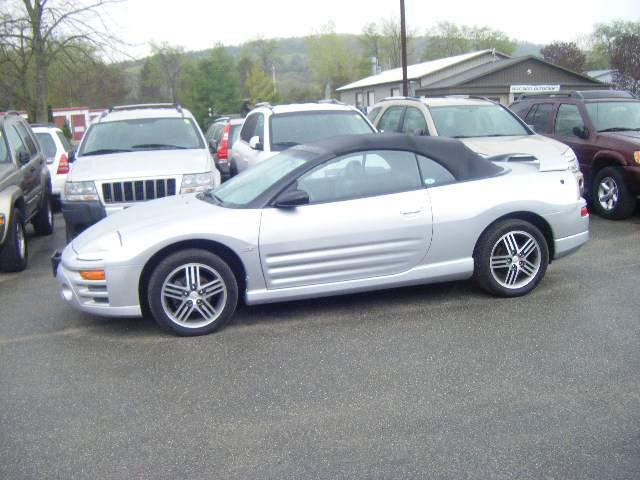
x,y
451,153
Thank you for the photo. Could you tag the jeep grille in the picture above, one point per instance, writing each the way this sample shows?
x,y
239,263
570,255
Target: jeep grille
x,y
138,190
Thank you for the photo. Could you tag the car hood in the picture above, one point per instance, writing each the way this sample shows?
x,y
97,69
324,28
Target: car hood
x,y
630,136
548,151
146,163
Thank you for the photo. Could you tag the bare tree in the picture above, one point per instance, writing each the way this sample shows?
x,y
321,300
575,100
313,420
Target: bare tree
x,y
625,58
565,54
39,31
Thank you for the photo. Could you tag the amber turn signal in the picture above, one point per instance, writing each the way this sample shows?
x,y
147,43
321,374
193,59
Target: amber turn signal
x,y
636,157
92,274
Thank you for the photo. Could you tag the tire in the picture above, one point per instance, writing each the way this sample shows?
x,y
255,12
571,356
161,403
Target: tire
x,y
14,253
192,310
610,195
43,221
511,258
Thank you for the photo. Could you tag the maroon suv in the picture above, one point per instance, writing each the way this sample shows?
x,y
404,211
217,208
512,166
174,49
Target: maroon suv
x,y
603,129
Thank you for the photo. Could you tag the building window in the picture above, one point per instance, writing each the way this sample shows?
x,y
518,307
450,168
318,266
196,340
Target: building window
x,y
359,99
395,92
371,97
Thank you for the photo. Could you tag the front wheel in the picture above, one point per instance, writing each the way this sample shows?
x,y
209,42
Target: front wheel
x,y
14,252
610,195
511,258
192,292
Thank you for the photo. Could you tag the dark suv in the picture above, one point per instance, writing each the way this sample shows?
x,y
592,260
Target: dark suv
x,y
603,129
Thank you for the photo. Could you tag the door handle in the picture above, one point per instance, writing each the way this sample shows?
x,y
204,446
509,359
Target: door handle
x,y
410,212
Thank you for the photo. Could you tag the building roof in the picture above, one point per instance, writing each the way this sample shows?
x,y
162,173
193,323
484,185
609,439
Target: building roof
x,y
599,73
416,71
489,68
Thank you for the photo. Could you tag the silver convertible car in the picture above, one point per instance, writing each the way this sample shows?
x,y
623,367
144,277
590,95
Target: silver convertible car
x,y
349,214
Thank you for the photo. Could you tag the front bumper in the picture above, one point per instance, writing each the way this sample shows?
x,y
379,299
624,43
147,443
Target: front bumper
x,y
81,215
112,297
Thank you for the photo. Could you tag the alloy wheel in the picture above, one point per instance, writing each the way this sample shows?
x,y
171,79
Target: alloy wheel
x,y
21,241
193,295
515,259
608,194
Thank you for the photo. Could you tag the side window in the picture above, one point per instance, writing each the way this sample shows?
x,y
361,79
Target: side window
x,y
249,127
539,117
373,113
260,127
4,151
28,140
390,121
65,143
364,174
434,174
414,121
567,119
15,140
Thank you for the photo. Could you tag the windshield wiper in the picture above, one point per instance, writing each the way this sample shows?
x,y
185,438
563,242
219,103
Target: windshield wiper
x,y
158,146
619,129
105,151
286,144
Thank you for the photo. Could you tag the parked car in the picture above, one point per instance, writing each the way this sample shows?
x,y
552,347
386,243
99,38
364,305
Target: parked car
x,y
25,191
59,154
268,130
348,214
603,128
132,154
221,136
485,126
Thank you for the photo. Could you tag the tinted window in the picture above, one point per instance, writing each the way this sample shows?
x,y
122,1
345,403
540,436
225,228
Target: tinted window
x,y
15,140
249,127
373,113
462,121
47,144
614,115
28,140
567,119
390,121
4,151
65,143
364,174
235,134
539,117
413,121
142,134
296,128
434,174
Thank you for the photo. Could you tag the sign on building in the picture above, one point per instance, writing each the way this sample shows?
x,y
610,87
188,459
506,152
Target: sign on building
x,y
534,88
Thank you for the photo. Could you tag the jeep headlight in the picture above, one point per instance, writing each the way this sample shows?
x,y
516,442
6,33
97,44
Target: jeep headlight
x,y
197,182
572,160
80,191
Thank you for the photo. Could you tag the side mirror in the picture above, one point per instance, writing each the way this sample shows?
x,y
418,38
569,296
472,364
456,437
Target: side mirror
x,y
213,146
292,199
255,143
23,158
421,132
581,132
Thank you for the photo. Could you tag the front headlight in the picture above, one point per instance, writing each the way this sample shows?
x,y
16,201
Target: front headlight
x,y
572,160
80,191
197,182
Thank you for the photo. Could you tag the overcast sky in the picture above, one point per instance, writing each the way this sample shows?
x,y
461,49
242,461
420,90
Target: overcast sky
x,y
199,24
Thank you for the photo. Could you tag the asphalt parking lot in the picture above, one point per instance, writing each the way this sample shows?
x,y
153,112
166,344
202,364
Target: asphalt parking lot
x,y
425,382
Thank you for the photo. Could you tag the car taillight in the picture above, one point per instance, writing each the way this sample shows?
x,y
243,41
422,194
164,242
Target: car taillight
x,y
63,166
223,149
584,212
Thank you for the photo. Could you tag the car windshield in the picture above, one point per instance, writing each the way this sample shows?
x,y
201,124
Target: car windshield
x,y
46,142
614,116
250,184
289,129
141,134
462,121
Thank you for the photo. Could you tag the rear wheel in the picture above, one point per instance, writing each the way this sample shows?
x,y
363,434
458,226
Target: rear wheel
x,y
610,195
14,253
192,292
511,258
43,221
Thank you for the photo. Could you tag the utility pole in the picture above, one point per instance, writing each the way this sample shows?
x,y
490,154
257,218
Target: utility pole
x,y
403,40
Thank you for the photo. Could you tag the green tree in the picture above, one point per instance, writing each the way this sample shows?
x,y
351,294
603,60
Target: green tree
x,y
212,83
447,39
259,87
161,74
625,58
603,39
565,54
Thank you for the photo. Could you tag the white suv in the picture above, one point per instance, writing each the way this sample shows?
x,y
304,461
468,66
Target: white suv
x,y
59,154
268,130
485,126
133,154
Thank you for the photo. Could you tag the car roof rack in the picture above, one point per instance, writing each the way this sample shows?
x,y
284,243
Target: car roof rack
x,y
331,101
120,108
48,125
390,99
470,97
263,104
